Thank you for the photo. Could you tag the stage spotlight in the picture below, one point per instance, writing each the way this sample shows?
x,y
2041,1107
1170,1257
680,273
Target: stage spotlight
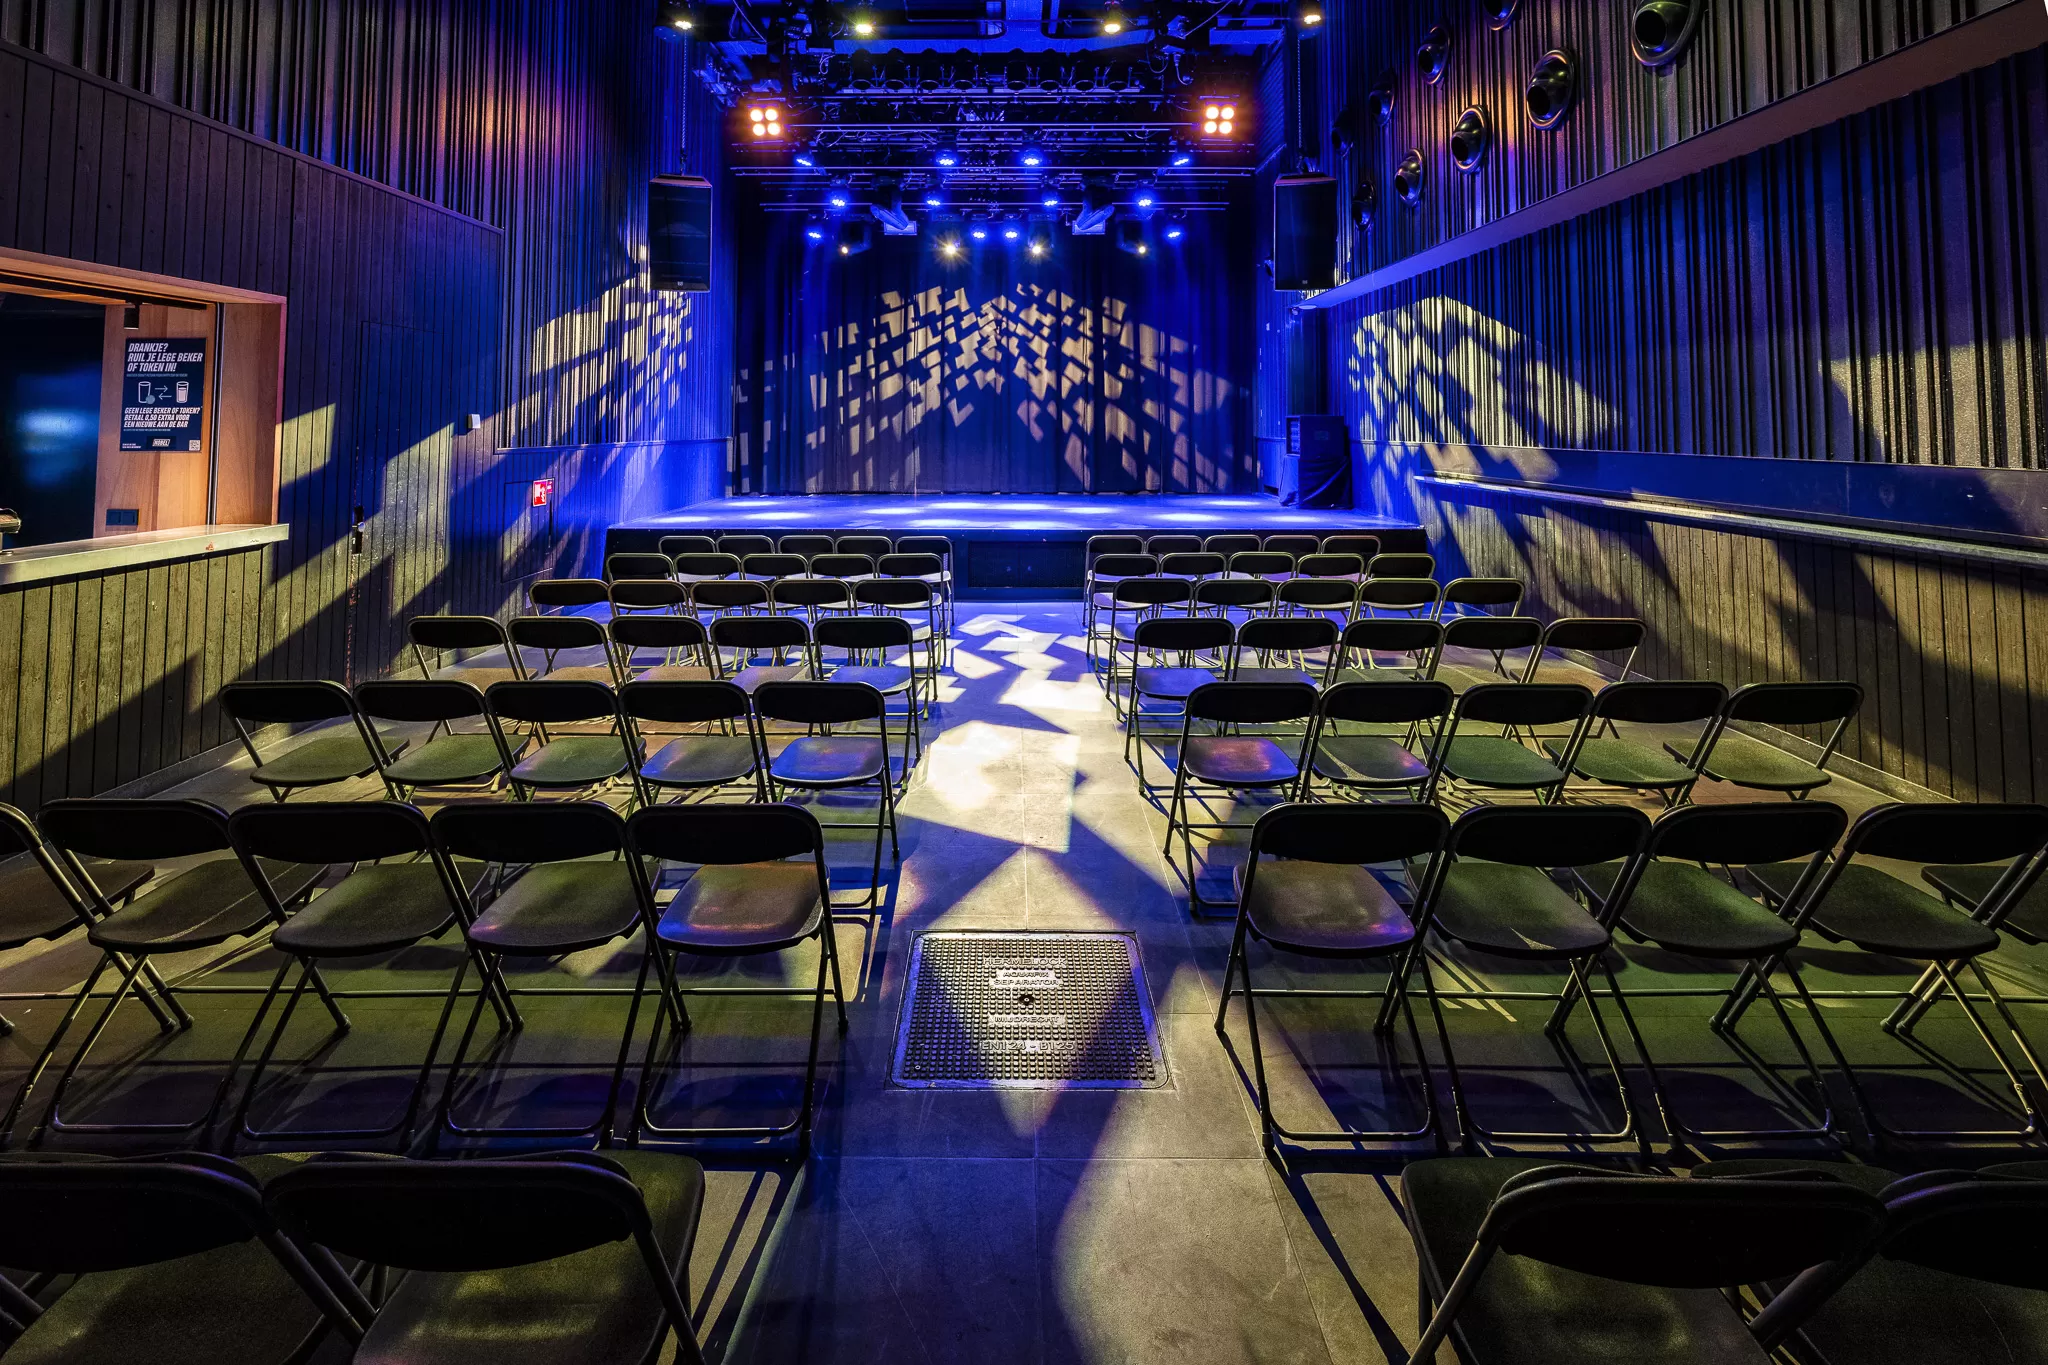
x,y
764,121
950,248
806,155
933,198
1218,117
862,24
1112,21
1181,157
1176,225
1130,236
1049,195
855,236
677,16
1012,230
1031,154
814,228
946,154
978,229
1145,196
838,195
1308,14
1040,245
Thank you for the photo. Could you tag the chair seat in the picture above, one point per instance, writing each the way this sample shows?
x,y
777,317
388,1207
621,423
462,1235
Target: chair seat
x,y
831,761
480,677
674,673
1527,1312
1278,675
325,758
555,908
1971,883
753,675
574,761
888,679
1368,761
31,906
597,673
201,906
1881,914
1621,763
1687,909
1514,911
374,909
1237,761
593,1308
448,759
1750,763
747,908
1326,910
700,761
1491,761
1172,684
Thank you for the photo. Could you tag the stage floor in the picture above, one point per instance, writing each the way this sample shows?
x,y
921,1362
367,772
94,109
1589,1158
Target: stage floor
x,y
942,514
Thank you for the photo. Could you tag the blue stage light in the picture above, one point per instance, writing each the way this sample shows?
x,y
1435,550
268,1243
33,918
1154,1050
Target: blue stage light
x,y
804,157
1031,155
838,196
1049,197
978,230
1011,232
1183,158
933,199
1176,226
815,229
1144,196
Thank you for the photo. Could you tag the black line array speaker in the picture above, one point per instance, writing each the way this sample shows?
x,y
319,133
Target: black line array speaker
x,y
1323,445
1304,232
679,233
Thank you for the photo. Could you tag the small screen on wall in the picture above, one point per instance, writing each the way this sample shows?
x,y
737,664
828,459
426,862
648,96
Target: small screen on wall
x,y
163,394
679,233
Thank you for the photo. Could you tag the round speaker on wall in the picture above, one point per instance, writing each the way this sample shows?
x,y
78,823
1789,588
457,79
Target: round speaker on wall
x,y
1661,29
1434,55
1499,13
1365,202
1553,85
1408,178
1471,135
1379,101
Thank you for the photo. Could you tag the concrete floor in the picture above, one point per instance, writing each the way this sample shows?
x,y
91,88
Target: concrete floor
x,y
1086,1226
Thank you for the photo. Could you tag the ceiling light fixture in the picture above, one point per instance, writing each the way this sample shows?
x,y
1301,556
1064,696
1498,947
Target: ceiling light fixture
x,y
1176,225
1218,117
863,25
1031,154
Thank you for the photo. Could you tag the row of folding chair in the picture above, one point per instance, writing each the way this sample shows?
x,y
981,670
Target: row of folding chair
x,y
689,558
1494,884
1229,543
189,1258
518,882
1737,1261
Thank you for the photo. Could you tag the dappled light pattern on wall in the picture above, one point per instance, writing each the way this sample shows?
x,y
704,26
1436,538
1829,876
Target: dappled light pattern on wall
x,y
901,371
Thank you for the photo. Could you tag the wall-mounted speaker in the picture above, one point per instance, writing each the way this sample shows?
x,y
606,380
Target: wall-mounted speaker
x,y
1500,13
1434,56
1661,29
1408,178
1304,232
1471,135
679,233
1380,99
1365,202
1553,85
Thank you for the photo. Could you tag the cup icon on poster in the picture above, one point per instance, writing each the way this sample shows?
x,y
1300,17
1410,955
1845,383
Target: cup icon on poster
x,y
143,393
184,391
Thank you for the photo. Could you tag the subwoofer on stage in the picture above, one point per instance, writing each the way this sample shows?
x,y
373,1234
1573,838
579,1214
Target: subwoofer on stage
x,y
1321,450
1304,232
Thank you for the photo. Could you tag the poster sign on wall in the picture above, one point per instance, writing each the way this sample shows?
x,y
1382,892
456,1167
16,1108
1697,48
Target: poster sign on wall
x,y
163,394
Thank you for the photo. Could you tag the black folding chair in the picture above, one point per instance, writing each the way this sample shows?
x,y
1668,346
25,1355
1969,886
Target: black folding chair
x,y
1188,639
677,637
1400,566
1333,599
760,886
808,545
575,889
929,558
637,564
1306,891
1382,758
1228,765
1293,639
1131,601
39,900
770,567
1617,635
456,634
1271,565
1160,546
448,758
564,761
741,545
1293,545
698,566
674,546
1479,596
1414,596
716,599
1367,639
1105,571
689,763
873,546
176,1263
399,892
1502,762
1727,756
1852,902
823,763
338,753
201,907
867,643
1246,597
664,595
1229,543
567,1258
554,635
1195,565
811,598
1494,895
566,594
1365,547
1321,564
1676,903
851,568
1614,760
1494,636
751,637
910,599
1605,1265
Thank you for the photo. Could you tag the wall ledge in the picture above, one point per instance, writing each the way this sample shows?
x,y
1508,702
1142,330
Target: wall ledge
x,y
109,554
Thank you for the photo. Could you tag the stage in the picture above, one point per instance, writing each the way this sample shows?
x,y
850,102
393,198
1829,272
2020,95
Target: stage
x,y
1009,545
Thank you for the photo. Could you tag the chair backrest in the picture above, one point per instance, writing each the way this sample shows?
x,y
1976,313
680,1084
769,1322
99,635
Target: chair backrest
x,y
1949,831
552,701
456,632
1320,594
529,831
773,566
1161,546
1286,633
656,632
1660,703
760,632
727,594
673,546
1514,703
459,1215
725,835
862,632
811,592
420,699
873,546
1230,542
1365,547
1401,566
1398,701
330,831
1247,593
150,830
1739,833
686,702
637,564
1495,633
552,633
1178,633
1396,635
1262,563
707,564
1123,565
817,703
1151,592
17,832
1350,832
648,594
1192,564
286,703
740,546
544,594
1483,593
898,593
1982,1225
902,565
1252,703
1399,594
1099,546
1594,634
1550,836
1293,545
80,1213
1329,566
806,545
836,565
1795,703
926,545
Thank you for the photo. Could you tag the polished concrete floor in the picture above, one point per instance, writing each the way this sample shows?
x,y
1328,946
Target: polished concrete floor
x,y
1083,1226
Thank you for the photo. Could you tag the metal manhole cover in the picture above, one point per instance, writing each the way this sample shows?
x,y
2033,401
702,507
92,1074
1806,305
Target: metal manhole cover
x,y
1025,1011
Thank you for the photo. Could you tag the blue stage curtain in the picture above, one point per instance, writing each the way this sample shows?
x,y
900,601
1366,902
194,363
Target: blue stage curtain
x,y
1091,371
